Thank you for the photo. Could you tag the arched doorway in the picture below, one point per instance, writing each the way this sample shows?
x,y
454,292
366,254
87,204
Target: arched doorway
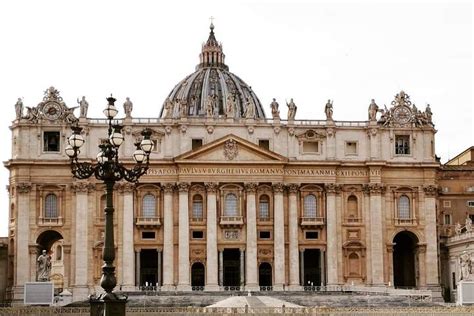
x,y
197,274
265,274
51,242
404,260
46,239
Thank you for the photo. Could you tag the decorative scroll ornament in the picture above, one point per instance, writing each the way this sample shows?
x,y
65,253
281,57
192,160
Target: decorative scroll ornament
x,y
404,113
211,186
230,149
332,188
251,187
293,187
231,235
168,187
430,190
23,187
51,108
183,187
278,187
82,186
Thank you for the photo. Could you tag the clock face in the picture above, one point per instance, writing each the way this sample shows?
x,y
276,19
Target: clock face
x,y
402,114
52,111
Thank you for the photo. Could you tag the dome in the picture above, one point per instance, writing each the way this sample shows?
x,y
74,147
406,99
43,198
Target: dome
x,y
212,90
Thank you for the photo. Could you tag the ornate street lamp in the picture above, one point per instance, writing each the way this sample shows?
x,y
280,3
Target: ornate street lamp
x,y
110,170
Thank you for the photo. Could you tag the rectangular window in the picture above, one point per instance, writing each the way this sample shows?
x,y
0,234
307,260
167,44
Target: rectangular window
x,y
264,143
264,234
155,145
351,148
470,203
51,142
310,147
402,145
446,203
196,143
447,219
311,235
198,234
148,235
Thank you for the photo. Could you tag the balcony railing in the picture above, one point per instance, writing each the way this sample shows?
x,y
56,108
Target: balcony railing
x,y
406,221
312,221
50,221
197,220
148,221
353,220
231,221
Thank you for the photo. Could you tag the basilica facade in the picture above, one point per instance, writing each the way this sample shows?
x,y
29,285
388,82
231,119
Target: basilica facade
x,y
233,199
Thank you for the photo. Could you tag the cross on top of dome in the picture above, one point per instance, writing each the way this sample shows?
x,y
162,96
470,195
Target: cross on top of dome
x,y
212,54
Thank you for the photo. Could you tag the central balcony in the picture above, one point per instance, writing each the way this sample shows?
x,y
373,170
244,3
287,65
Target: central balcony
x,y
231,221
148,221
312,221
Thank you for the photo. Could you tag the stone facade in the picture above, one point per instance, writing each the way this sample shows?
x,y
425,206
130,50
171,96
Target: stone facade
x,y
231,202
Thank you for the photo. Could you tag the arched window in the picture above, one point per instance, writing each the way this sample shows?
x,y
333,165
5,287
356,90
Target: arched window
x,y
264,207
230,206
197,206
59,252
403,207
149,206
352,207
51,206
310,208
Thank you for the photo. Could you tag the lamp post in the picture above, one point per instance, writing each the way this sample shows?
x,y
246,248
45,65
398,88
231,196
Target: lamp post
x,y
109,170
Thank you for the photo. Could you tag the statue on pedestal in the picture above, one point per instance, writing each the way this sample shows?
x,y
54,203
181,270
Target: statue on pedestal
x,y
250,109
275,112
128,107
209,106
230,107
43,267
373,109
468,225
83,106
291,109
328,110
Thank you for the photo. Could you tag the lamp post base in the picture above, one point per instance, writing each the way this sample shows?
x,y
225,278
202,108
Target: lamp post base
x,y
108,304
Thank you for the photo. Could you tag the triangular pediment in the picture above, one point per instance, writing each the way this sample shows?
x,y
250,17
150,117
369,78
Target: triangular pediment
x,y
230,149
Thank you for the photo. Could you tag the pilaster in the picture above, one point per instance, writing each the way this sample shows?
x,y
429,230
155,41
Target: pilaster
x,y
168,241
184,283
251,257
279,237
331,239
431,255
211,239
128,264
293,237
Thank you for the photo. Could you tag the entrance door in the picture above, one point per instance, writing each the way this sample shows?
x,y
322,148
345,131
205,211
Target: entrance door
x,y
312,267
231,267
404,275
148,267
197,274
265,274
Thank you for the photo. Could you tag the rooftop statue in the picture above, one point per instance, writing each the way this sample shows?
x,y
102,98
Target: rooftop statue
x,y
128,107
373,109
210,103
250,108
274,106
83,106
183,109
19,108
230,107
168,109
291,109
328,110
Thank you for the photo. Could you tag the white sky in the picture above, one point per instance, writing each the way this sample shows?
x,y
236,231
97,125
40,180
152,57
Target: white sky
x,y
311,51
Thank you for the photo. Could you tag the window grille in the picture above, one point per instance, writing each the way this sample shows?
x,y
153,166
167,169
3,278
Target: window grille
x,y
404,207
197,206
149,206
264,207
230,205
51,206
402,145
310,206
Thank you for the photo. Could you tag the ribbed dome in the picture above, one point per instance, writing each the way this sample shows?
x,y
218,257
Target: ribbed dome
x,y
212,86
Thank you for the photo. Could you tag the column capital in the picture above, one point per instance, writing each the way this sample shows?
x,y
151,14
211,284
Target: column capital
x,y
373,188
168,187
278,187
332,188
183,186
82,187
126,187
421,248
211,187
251,187
293,187
430,190
23,187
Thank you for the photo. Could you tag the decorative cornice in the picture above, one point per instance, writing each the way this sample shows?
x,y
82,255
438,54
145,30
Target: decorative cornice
x,y
183,186
251,187
211,187
168,187
278,187
430,190
23,187
293,187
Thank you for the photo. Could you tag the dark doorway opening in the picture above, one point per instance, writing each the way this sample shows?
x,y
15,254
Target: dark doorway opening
x,y
148,267
265,274
404,258
312,267
197,274
231,258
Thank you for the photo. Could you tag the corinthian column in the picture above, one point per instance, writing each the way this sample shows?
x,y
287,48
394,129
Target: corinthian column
x,y
23,233
293,260
331,239
279,237
376,234
128,264
168,242
211,239
81,247
431,255
251,283
183,238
